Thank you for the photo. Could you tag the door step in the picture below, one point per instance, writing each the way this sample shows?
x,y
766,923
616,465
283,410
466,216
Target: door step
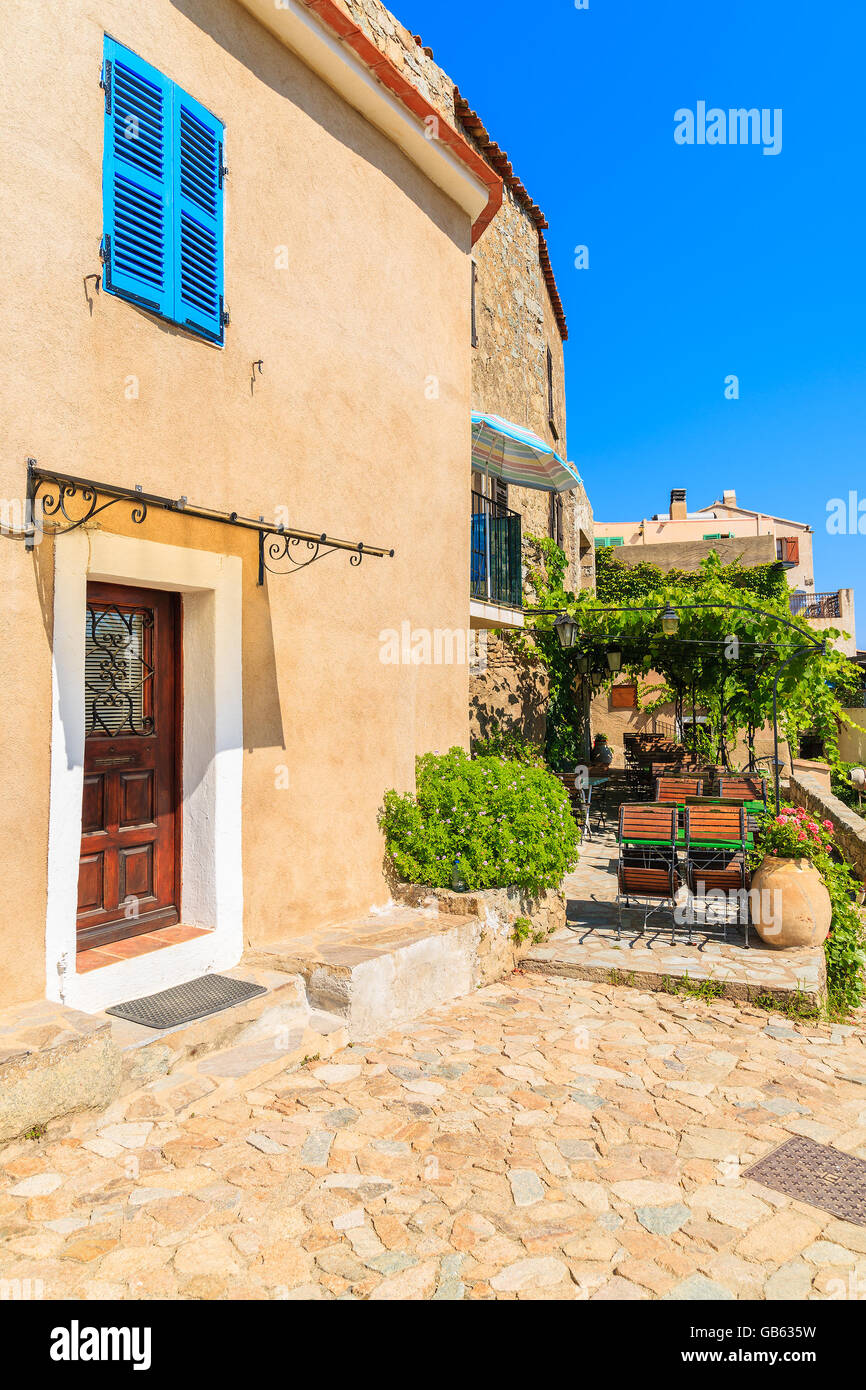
x,y
55,1061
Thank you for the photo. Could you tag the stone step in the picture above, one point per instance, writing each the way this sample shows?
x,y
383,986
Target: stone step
x,y
382,971
55,1061
148,1053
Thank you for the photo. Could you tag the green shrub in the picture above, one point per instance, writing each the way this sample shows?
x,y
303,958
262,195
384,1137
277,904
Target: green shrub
x,y
510,825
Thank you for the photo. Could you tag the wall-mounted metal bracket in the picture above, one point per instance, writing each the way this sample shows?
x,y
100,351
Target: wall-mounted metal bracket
x,y
68,502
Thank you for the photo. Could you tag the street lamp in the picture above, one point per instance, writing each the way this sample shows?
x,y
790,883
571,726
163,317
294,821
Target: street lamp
x,y
670,621
582,664
613,656
566,630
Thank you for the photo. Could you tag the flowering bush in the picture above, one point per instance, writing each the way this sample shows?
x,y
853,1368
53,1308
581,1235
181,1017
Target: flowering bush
x,y
509,824
796,834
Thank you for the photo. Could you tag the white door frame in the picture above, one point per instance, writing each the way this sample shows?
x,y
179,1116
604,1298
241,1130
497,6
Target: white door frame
x,y
212,762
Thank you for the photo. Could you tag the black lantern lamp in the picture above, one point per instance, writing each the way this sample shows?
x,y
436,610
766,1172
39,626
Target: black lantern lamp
x,y
566,630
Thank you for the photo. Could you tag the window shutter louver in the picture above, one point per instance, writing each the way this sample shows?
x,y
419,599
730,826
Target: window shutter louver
x,y
198,217
137,189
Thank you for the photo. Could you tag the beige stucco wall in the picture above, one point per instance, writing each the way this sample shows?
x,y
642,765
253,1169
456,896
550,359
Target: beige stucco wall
x,y
846,624
342,429
852,740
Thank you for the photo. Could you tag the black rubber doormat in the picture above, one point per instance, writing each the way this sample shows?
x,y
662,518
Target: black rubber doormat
x,y
818,1174
209,994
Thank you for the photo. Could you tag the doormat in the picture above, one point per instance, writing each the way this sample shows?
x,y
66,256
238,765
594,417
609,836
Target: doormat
x,y
209,994
818,1174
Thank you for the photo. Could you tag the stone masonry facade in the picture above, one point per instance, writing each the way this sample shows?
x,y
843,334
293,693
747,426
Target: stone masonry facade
x,y
518,321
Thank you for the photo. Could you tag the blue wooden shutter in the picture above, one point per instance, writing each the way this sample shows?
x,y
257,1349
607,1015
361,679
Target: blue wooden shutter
x,y
137,184
198,217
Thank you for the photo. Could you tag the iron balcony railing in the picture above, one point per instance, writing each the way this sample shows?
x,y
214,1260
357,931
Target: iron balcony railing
x,y
816,605
497,574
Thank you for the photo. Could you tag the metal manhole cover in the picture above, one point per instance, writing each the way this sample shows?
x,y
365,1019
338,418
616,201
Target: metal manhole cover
x,y
183,1003
818,1174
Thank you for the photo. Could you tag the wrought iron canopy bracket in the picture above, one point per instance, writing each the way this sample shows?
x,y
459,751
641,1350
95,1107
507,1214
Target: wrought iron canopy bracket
x,y
67,502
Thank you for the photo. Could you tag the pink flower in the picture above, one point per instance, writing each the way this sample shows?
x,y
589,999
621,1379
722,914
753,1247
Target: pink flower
x,y
828,825
801,835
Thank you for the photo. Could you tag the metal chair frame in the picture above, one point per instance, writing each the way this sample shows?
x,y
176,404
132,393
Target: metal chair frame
x,y
653,857
720,858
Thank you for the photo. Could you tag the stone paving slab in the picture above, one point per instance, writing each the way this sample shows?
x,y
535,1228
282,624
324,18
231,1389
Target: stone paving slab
x,y
539,1139
588,949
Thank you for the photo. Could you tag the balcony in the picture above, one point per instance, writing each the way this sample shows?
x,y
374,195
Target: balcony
x,y
496,584
816,605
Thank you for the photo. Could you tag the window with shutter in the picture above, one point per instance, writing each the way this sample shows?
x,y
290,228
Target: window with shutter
x,y
162,196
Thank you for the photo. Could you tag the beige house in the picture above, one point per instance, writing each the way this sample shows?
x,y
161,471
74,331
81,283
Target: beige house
x,y
234,415
737,532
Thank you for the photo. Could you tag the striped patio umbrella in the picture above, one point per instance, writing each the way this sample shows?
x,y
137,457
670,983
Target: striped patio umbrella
x,y
518,456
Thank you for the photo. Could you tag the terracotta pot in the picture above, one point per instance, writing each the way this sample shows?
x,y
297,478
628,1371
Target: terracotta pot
x,y
800,914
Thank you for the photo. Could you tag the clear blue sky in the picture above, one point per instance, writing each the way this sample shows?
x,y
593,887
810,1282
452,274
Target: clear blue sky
x,y
705,261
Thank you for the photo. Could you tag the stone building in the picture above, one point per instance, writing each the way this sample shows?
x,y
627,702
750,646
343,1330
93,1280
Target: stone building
x,y
518,372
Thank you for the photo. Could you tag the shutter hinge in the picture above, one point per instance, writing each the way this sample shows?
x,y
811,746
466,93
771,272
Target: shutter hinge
x,y
105,250
224,314
105,84
223,168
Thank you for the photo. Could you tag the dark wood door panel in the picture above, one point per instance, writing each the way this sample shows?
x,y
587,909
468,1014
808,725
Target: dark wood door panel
x,y
136,878
129,875
137,799
93,813
91,883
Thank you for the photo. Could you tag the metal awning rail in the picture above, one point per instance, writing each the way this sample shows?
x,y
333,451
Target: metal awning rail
x,y
74,501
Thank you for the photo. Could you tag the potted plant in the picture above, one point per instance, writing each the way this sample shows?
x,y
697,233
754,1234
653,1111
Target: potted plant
x,y
791,905
601,751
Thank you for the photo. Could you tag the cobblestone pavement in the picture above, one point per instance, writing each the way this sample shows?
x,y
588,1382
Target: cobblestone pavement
x,y
541,1139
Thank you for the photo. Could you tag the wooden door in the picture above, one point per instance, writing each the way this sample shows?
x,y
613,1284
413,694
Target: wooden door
x,y
128,879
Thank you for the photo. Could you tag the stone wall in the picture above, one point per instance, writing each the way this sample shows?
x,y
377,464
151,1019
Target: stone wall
x,y
687,555
511,693
497,949
415,61
806,790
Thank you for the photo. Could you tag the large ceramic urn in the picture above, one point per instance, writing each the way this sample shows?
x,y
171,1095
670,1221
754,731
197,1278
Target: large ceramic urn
x,y
790,905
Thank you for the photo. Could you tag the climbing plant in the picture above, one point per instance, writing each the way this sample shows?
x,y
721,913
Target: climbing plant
x,y
723,659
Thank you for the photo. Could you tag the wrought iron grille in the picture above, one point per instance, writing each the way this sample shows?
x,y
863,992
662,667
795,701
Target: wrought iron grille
x,y
118,671
497,573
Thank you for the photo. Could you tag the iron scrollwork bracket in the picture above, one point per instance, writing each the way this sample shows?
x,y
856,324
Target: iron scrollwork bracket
x,y
287,552
67,504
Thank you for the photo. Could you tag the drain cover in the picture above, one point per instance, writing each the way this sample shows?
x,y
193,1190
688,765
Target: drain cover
x,y
209,994
818,1174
